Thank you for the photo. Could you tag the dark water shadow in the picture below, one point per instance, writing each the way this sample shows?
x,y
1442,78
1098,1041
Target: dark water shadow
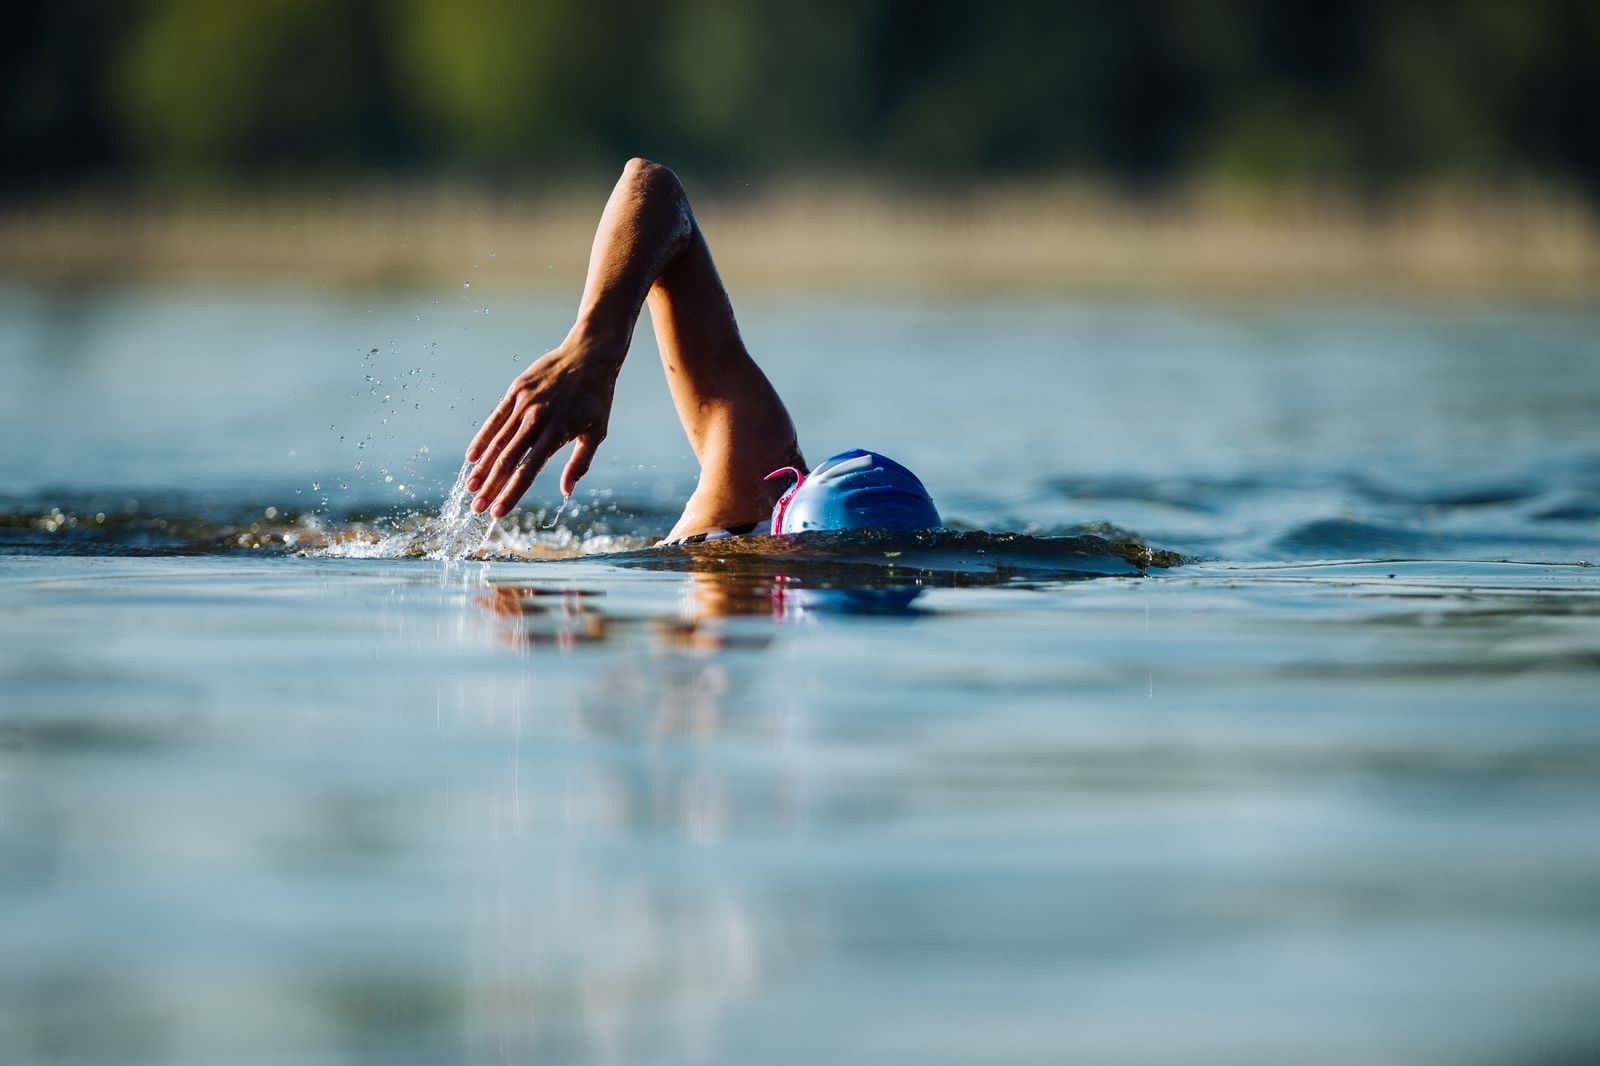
x,y
874,560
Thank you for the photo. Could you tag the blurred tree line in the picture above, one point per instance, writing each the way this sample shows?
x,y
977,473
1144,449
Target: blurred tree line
x,y
1361,94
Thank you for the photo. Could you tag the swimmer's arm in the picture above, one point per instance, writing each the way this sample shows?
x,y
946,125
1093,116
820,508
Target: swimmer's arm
x,y
566,395
648,245
734,419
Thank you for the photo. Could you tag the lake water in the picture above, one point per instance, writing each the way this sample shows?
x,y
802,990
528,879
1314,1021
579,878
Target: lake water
x,y
275,787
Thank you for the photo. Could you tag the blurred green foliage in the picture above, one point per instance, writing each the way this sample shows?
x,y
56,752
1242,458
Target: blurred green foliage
x,y
1361,93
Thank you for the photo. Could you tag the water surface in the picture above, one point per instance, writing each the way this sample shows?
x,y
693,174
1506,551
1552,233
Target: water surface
x,y
274,786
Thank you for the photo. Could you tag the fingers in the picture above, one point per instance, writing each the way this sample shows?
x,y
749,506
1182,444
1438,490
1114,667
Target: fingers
x,y
522,474
514,472
502,457
506,447
578,465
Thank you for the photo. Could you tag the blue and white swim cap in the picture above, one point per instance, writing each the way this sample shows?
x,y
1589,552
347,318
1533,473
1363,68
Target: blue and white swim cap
x,y
854,490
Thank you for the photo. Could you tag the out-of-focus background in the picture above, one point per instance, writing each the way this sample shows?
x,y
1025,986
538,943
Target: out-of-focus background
x,y
1235,147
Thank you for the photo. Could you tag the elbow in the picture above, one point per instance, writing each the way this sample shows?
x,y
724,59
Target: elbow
x,y
652,181
658,189
642,174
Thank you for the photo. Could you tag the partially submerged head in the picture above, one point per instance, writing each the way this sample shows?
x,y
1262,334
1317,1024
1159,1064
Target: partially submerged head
x,y
854,490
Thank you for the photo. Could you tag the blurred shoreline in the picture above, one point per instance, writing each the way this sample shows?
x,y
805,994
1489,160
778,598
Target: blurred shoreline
x,y
1027,239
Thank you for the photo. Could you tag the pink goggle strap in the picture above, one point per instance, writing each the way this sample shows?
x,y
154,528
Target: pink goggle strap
x,y
781,508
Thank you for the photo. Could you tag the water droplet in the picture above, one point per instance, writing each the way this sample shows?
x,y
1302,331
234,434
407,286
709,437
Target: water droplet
x,y
271,512
466,284
564,501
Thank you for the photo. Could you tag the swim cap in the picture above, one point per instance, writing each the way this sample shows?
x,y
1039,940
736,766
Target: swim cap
x,y
854,490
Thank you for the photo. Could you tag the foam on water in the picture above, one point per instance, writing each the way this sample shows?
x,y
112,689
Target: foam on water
x,y
451,535
457,532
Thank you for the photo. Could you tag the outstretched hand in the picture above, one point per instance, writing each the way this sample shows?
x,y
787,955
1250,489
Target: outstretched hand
x,y
565,396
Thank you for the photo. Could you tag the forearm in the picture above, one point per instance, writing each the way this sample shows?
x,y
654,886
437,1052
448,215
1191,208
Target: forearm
x,y
646,225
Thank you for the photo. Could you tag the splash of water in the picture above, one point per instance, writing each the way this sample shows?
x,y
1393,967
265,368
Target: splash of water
x,y
457,531
559,511
453,534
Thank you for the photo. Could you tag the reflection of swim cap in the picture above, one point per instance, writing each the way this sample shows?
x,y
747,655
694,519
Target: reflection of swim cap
x,y
854,490
802,601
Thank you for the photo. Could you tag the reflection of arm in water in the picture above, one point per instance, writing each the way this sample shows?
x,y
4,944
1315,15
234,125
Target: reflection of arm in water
x,y
648,246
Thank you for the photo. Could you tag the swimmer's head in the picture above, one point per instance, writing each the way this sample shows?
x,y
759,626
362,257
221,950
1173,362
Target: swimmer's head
x,y
854,490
